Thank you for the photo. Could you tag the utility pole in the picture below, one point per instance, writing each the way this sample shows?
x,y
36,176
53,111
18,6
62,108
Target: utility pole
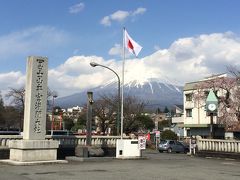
x,y
211,126
89,118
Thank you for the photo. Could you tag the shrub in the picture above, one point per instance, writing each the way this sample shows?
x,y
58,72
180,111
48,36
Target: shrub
x,y
168,134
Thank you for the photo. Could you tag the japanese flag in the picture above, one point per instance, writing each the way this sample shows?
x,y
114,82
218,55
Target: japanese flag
x,y
131,45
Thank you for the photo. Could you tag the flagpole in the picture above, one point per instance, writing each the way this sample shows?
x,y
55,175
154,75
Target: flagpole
x,y
123,63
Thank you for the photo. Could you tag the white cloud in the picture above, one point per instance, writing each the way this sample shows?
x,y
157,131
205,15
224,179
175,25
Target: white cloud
x,y
139,11
121,16
76,74
31,41
11,80
187,59
106,21
116,50
76,8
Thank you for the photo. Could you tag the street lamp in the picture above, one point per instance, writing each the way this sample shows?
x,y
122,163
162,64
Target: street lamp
x,y
93,64
54,96
89,118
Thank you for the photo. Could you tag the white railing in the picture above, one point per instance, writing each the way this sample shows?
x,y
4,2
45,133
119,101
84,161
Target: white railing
x,y
81,140
218,145
68,140
4,139
177,119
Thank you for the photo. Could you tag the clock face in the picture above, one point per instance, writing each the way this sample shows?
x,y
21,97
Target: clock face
x,y
212,107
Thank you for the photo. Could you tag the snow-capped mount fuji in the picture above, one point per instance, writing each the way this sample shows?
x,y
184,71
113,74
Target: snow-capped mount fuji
x,y
154,92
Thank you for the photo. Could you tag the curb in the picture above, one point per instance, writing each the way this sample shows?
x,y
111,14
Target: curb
x,y
218,154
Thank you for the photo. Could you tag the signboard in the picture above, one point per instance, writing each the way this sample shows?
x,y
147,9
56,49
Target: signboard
x,y
142,142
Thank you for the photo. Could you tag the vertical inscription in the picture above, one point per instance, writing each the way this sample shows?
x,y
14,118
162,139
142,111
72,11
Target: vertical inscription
x,y
38,107
35,98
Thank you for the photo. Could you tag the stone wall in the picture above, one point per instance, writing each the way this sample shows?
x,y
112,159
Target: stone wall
x,y
4,152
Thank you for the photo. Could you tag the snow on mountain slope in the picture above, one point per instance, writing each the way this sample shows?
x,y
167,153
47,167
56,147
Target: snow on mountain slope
x,y
154,92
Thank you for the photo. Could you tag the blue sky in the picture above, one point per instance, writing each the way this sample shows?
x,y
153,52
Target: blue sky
x,y
202,35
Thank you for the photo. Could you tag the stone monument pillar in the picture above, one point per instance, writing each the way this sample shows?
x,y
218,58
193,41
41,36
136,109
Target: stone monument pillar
x,y
33,146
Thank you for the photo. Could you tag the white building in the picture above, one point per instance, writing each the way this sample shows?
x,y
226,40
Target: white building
x,y
196,119
178,121
75,109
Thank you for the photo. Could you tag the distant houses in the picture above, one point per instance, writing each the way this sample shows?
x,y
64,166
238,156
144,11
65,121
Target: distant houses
x,y
56,117
192,118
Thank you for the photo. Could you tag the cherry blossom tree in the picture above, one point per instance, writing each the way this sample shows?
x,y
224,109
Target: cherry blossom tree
x,y
227,92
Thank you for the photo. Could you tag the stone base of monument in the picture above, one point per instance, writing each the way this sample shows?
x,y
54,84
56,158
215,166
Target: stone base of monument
x,y
27,152
89,151
88,154
94,151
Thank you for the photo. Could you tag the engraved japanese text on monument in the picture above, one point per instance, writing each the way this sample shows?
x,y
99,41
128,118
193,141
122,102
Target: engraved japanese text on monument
x,y
38,96
35,98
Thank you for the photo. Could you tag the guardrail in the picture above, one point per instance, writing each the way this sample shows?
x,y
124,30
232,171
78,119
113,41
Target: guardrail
x,y
231,146
68,140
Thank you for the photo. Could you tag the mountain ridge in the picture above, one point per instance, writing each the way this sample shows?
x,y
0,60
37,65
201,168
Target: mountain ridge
x,y
154,93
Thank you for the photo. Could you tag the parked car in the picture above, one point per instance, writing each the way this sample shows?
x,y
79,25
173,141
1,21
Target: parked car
x,y
172,146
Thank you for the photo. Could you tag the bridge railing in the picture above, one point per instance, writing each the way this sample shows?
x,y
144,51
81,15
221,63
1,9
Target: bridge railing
x,y
81,140
232,146
68,140
4,139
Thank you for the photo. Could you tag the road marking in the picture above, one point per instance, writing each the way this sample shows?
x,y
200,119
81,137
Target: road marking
x,y
229,159
228,163
208,157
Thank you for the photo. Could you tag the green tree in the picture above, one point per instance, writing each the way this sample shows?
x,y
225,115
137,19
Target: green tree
x,y
105,109
16,97
163,124
168,134
144,122
11,116
81,122
158,111
133,107
166,110
68,123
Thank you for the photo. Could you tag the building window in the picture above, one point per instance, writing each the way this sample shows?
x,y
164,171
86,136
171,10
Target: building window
x,y
188,97
188,112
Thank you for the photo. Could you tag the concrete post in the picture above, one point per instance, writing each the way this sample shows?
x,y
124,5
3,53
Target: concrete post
x,y
211,126
89,118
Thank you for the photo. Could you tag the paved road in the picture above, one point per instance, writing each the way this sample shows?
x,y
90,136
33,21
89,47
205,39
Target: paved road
x,y
157,166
